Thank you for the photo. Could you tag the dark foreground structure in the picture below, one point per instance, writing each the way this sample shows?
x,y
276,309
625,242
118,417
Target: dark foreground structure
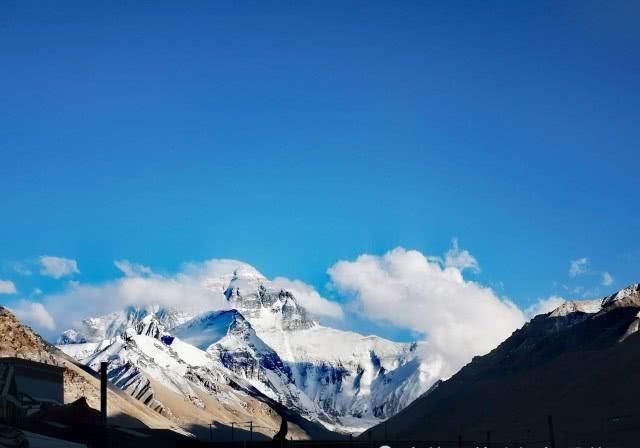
x,y
32,395
25,386
33,413
377,444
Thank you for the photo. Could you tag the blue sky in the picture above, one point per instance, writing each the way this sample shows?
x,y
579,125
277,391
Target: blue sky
x,y
292,135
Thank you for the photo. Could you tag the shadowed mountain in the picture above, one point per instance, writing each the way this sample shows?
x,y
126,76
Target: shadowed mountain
x,y
578,364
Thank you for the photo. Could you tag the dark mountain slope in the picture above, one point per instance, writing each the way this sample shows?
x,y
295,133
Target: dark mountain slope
x,y
581,368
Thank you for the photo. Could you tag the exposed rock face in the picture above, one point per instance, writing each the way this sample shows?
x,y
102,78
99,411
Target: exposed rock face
x,y
252,302
17,340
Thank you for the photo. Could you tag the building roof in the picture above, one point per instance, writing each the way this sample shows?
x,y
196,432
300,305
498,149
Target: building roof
x,y
32,364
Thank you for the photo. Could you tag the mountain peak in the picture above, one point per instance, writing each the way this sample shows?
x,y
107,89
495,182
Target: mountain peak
x,y
261,302
247,272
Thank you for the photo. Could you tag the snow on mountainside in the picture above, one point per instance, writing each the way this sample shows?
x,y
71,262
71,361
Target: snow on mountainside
x,y
97,329
575,306
235,345
629,296
264,344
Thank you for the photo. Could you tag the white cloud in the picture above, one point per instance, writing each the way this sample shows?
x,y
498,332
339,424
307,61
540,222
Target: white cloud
x,y
7,287
460,259
578,266
21,268
544,305
57,267
132,269
34,314
607,279
309,298
459,318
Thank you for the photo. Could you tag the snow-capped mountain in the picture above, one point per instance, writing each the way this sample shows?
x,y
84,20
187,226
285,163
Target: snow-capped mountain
x,y
347,374
264,344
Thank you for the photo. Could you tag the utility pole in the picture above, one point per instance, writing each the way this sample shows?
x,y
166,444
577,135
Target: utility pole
x,y
251,431
552,436
232,424
210,433
103,393
103,403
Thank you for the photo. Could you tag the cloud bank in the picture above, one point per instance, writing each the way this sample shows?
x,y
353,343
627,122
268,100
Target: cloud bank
x,y
80,301
197,287
34,314
458,318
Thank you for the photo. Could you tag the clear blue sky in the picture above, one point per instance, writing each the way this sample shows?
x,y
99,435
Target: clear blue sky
x,y
294,134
